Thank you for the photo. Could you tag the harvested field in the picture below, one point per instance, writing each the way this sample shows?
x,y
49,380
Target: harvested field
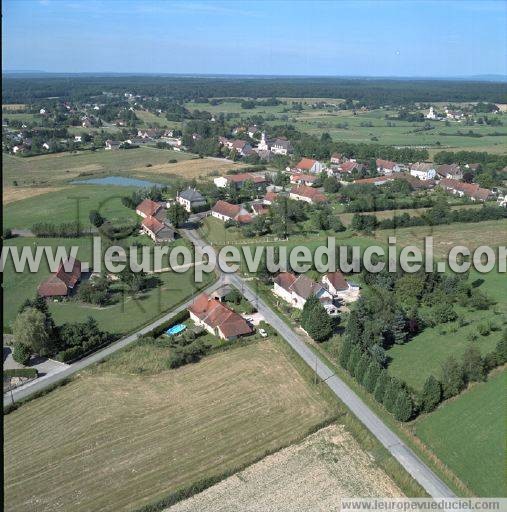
x,y
13,194
197,168
112,441
312,475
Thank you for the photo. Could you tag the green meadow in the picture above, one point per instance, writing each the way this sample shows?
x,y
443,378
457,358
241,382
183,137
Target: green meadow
x,y
123,316
70,204
468,433
59,168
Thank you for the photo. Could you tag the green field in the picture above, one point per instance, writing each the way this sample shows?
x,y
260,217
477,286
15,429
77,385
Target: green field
x,y
141,437
73,203
468,433
124,316
371,126
433,347
46,170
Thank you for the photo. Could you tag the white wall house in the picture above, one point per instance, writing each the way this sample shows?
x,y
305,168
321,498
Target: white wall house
x,y
423,171
295,290
339,287
190,198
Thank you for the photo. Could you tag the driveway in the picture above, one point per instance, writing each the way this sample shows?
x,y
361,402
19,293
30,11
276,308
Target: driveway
x,y
43,365
256,318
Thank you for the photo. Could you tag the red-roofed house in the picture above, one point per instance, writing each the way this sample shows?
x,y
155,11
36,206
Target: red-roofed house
x,y
339,287
349,166
62,282
270,197
471,190
296,289
336,158
303,179
238,180
226,211
380,180
310,165
259,209
148,208
387,166
158,231
217,318
307,194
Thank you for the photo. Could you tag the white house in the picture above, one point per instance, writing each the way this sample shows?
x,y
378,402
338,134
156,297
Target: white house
x,y
252,130
451,171
310,165
423,171
217,318
225,211
297,289
238,180
307,194
387,167
190,198
112,144
281,146
339,287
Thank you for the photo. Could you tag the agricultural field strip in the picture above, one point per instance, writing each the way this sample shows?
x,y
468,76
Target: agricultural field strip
x,y
405,456
50,380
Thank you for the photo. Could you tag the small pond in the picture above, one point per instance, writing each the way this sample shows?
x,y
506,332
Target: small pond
x,y
121,181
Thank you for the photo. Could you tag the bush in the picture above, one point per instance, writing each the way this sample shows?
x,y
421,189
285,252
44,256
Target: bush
x,y
189,354
431,394
452,380
21,354
443,313
380,387
501,349
69,354
29,373
403,407
473,365
484,328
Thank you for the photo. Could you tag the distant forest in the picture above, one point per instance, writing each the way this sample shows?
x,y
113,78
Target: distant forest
x,y
371,92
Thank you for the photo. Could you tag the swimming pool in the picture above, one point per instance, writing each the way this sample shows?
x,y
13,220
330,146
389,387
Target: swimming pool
x,y
175,329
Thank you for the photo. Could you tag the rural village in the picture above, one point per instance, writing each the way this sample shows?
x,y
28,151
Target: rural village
x,y
150,390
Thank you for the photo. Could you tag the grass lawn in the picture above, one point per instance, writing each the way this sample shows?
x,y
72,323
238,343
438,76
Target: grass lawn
x,y
124,316
424,354
123,440
69,204
468,433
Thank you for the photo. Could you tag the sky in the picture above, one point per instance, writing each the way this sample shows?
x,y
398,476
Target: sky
x,y
339,38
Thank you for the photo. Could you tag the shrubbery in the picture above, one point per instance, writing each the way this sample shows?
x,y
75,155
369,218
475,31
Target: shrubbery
x,y
390,315
21,354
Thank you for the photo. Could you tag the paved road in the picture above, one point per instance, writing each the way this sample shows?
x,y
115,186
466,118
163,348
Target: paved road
x,y
398,449
50,379
402,453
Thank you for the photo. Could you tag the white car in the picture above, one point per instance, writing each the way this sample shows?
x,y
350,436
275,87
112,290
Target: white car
x,y
263,333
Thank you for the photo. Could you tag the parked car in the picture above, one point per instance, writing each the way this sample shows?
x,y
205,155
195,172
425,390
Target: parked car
x,y
263,333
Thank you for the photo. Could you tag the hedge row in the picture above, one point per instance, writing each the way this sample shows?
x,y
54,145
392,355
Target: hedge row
x,y
22,372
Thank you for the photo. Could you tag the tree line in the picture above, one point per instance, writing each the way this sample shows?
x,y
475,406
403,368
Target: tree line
x,y
371,92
